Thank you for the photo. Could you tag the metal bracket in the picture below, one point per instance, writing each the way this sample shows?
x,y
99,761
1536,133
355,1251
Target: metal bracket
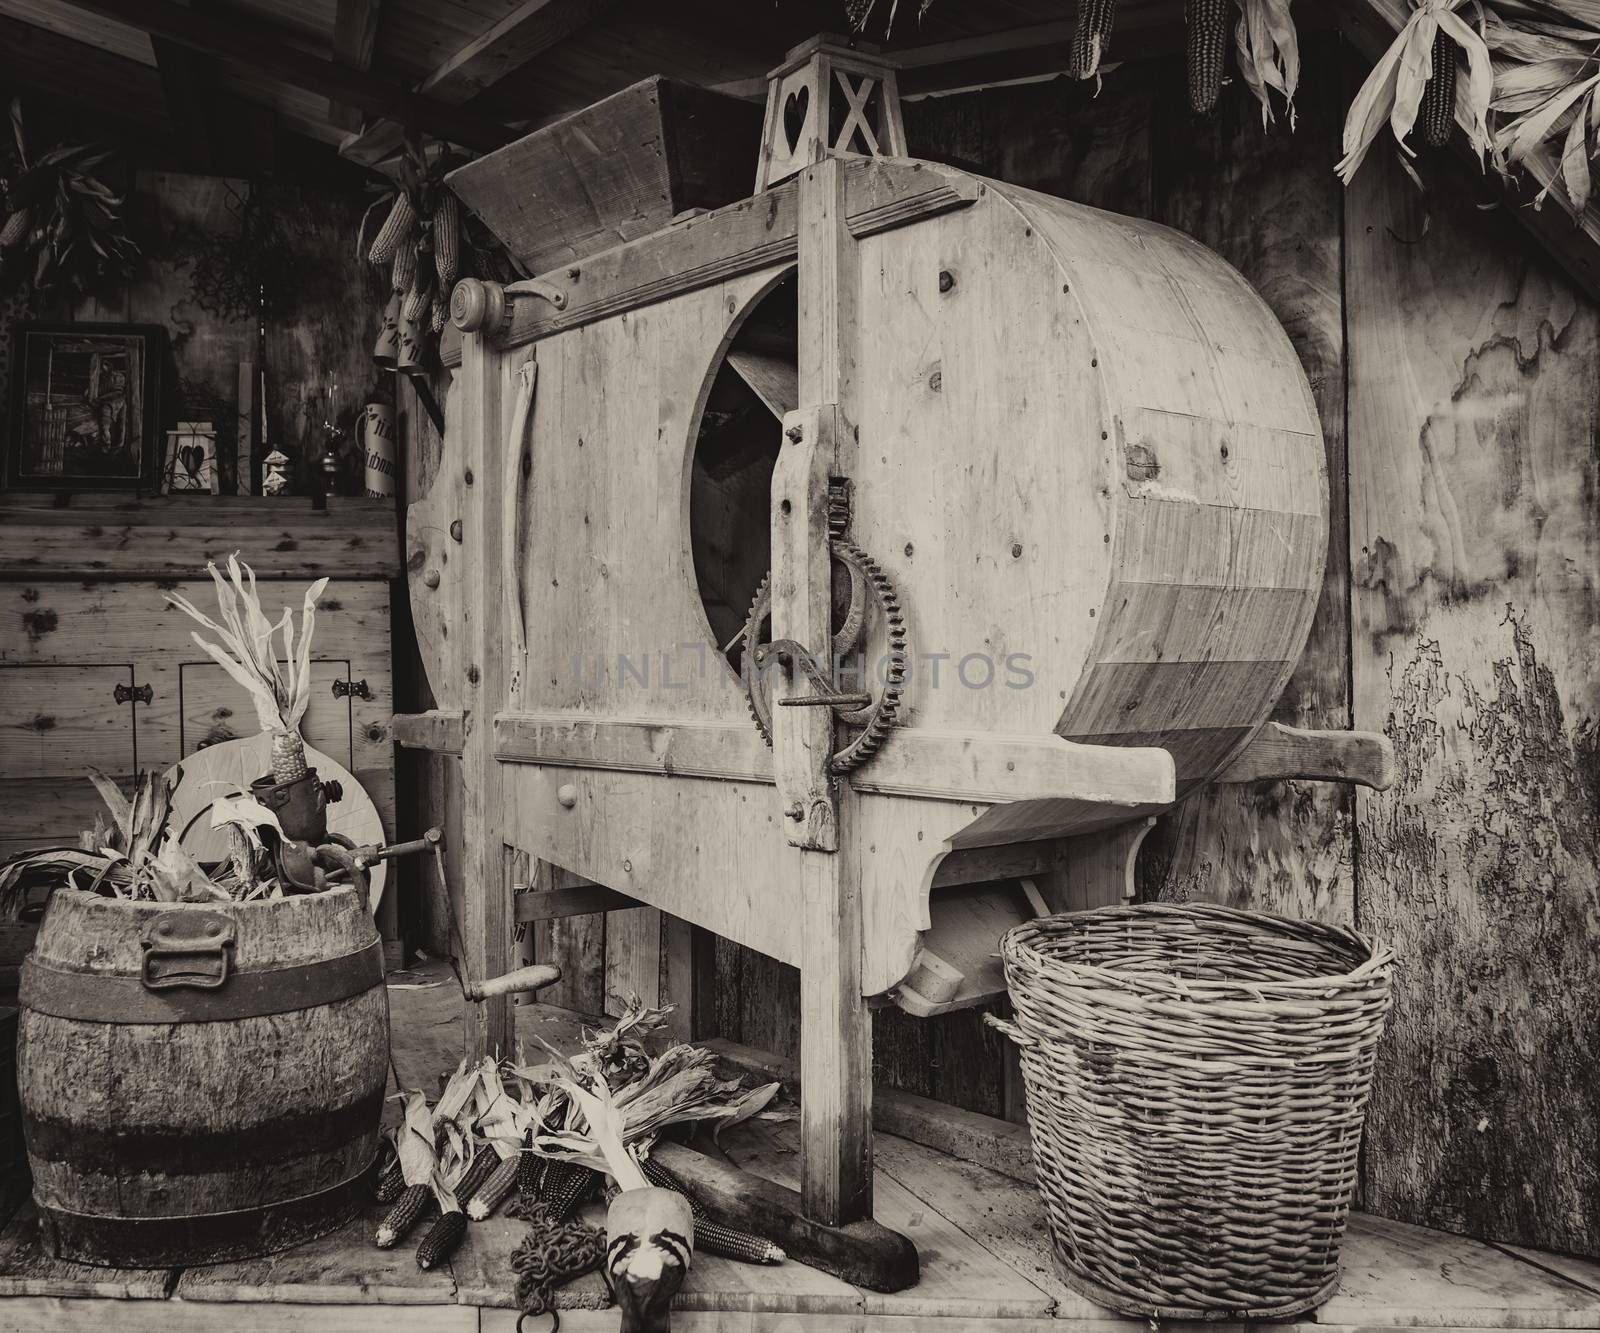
x,y
187,949
125,694
345,689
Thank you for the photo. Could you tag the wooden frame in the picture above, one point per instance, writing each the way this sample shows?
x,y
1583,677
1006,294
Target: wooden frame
x,y
89,431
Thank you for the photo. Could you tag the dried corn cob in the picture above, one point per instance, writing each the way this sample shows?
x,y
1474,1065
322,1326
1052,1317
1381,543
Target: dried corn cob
x,y
288,756
391,1183
415,306
713,1237
396,228
16,229
492,1193
446,238
1091,37
403,272
403,1216
482,1167
442,1239
565,1186
1206,26
439,314
1438,114
530,1173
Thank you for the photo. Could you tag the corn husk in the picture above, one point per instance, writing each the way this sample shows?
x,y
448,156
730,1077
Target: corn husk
x,y
1393,91
1269,54
1546,84
248,648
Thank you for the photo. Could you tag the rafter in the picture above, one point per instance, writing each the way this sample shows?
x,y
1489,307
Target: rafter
x,y
1571,237
189,86
355,38
259,45
531,28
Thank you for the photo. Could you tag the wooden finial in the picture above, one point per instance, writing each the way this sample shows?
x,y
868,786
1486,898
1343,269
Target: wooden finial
x,y
829,99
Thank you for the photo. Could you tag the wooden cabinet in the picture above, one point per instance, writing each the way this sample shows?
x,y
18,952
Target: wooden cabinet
x,y
96,669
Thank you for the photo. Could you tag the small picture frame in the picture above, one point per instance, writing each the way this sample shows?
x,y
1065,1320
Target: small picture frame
x,y
85,407
191,460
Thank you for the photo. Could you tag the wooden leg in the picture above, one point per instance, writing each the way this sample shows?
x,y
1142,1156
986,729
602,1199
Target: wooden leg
x,y
835,1045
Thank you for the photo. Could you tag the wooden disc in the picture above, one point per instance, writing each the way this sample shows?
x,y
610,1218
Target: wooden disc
x,y
233,766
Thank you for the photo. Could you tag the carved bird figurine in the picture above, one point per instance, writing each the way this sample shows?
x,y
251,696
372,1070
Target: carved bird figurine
x,y
649,1231
649,1243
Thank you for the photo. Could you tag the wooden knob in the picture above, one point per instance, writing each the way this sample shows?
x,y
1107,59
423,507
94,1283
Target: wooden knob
x,y
567,794
477,305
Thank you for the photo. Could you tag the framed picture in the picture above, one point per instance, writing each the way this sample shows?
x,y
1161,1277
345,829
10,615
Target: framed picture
x,y
85,407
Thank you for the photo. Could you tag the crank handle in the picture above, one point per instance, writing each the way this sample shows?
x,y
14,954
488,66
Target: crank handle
x,y
536,977
366,856
828,701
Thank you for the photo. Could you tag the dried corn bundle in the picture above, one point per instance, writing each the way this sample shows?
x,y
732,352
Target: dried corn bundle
x,y
1091,37
443,1237
495,1189
1439,93
396,228
446,238
1393,92
1205,25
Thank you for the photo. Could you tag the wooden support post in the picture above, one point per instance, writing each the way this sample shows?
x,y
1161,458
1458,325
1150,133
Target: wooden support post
x,y
835,1026
483,912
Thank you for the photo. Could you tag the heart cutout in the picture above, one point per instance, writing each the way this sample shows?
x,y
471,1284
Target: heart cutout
x,y
192,456
794,115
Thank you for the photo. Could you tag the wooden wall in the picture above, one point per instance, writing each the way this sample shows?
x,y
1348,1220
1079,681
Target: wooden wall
x,y
1456,377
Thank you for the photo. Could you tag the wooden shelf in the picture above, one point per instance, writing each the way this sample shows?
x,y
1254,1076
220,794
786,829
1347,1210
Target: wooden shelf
x,y
121,536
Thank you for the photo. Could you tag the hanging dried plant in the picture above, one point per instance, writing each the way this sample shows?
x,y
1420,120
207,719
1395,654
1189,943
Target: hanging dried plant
x,y
858,12
1393,92
63,225
1269,53
1545,87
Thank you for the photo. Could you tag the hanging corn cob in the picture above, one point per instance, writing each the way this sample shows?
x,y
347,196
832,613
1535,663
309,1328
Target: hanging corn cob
x,y
1206,36
1439,93
1091,37
397,227
15,232
420,297
439,314
403,271
249,653
446,238
443,1237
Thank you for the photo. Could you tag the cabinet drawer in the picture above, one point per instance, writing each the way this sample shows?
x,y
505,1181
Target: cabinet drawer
x,y
214,707
57,721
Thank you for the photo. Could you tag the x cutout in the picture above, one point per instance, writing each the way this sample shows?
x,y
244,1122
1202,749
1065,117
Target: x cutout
x,y
856,115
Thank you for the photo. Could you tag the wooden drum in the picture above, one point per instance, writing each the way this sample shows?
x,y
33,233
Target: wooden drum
x,y
200,1082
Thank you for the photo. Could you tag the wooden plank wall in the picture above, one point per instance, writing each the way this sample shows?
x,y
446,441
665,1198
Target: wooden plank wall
x,y
1456,376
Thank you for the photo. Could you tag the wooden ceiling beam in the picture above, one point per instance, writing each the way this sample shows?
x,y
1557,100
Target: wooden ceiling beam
x,y
355,38
528,30
1571,237
189,87
261,46
67,70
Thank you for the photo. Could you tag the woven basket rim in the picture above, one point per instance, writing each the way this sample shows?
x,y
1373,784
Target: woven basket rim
x,y
1376,966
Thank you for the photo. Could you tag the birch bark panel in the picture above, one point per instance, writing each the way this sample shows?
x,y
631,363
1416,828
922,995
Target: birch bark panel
x,y
1267,202
1474,371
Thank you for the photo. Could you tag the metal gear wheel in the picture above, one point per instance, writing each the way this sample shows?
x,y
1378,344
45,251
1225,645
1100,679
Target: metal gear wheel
x,y
872,721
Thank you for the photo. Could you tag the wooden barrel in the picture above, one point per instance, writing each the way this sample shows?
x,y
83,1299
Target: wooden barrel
x,y
200,1083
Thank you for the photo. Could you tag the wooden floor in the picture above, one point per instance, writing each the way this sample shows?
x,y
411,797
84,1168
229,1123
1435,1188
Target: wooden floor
x,y
986,1260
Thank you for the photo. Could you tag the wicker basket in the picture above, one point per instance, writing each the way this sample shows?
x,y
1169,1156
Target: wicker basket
x,y
1196,1078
